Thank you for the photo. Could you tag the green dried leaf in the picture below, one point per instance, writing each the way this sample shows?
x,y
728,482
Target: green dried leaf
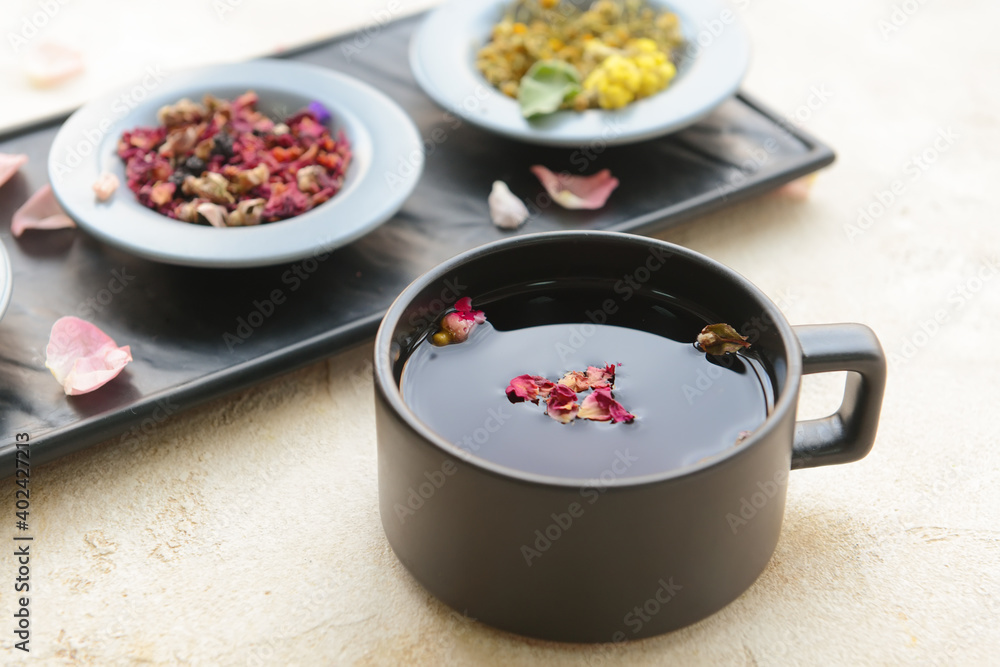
x,y
545,87
720,339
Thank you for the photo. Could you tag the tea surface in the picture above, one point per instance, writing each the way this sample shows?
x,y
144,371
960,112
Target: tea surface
x,y
688,405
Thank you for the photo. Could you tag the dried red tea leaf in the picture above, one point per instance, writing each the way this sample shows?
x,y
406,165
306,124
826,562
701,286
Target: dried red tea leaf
x,y
577,192
721,338
105,186
529,388
82,357
227,152
601,406
458,324
561,404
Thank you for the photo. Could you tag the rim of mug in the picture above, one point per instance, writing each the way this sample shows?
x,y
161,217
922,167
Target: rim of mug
x,y
386,384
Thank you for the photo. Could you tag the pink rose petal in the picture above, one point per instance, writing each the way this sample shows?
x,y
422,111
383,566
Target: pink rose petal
x,y
9,164
51,64
562,405
529,388
41,211
599,378
82,357
601,406
464,307
575,380
577,192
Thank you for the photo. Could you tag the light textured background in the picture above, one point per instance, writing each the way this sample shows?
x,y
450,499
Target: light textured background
x,y
247,532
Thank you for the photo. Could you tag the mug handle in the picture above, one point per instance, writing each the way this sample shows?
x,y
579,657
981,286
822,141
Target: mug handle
x,y
848,434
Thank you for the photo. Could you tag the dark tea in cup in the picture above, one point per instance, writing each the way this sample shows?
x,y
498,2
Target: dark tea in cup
x,y
687,405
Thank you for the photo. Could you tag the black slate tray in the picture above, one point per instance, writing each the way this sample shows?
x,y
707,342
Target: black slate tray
x,y
176,319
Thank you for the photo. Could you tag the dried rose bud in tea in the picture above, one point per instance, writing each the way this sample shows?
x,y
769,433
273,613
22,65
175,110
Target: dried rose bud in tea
x,y
458,324
721,338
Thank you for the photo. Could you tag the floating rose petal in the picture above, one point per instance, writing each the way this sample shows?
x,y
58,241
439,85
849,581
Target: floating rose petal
x,y
575,380
601,406
41,211
599,378
82,357
561,404
506,210
105,186
9,164
721,338
529,388
464,308
569,191
51,64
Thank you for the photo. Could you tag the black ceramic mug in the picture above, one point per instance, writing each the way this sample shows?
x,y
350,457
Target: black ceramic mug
x,y
653,553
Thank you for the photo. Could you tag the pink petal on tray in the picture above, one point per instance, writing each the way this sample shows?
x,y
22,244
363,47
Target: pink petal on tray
x,y
9,164
82,357
41,211
569,191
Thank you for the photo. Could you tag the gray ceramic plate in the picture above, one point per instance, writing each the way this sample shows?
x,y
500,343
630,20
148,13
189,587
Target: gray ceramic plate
x,y
6,280
387,162
443,52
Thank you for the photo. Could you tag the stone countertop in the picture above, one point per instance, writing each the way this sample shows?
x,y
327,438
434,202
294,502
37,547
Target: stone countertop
x,y
246,532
